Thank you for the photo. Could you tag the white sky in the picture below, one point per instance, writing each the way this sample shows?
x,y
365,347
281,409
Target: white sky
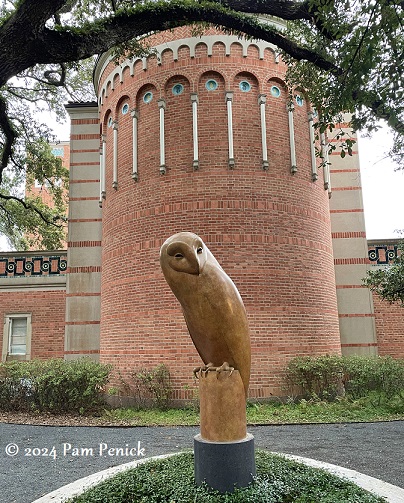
x,y
383,188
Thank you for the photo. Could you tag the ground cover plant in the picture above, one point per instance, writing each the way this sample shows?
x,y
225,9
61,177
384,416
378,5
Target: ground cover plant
x,y
278,481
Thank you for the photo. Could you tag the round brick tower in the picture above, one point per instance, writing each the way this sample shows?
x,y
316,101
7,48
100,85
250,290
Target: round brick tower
x,y
201,137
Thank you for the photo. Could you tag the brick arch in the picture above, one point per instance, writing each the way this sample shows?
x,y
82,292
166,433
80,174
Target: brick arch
x,y
246,123
184,73
122,99
218,49
201,50
212,122
276,81
248,74
124,138
106,115
178,126
236,49
172,79
138,89
148,132
166,56
253,51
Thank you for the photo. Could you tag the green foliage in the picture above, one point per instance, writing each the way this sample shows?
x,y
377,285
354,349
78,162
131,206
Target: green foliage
x,y
388,281
26,219
278,481
157,383
150,386
22,227
365,41
152,416
327,377
372,407
53,385
383,375
315,376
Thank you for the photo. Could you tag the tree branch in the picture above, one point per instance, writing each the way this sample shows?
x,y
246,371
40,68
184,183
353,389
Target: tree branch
x,y
31,207
9,137
73,45
284,9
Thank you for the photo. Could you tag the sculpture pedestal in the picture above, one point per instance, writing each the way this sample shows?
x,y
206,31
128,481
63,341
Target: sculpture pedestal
x,y
224,451
224,465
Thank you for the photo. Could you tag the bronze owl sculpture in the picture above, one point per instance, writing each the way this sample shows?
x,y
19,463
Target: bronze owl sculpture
x,y
212,306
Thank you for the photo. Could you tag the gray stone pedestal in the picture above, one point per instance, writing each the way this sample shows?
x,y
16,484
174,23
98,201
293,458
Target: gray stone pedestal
x,y
224,465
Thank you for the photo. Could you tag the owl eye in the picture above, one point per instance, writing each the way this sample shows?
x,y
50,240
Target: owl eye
x,y
179,255
199,249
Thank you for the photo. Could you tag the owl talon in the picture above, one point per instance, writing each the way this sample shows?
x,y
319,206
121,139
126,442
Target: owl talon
x,y
225,367
198,371
203,371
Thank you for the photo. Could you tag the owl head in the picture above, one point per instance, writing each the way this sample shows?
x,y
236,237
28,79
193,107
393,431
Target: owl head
x,y
184,252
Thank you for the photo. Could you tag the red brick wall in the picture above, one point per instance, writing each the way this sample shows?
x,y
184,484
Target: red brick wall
x,y
269,230
389,320
48,319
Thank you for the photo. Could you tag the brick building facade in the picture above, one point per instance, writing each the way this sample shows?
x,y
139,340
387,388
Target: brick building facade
x,y
202,136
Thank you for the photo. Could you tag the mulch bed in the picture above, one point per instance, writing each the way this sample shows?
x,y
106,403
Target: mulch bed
x,y
56,420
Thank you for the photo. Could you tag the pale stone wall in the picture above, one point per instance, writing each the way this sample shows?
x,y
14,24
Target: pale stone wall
x,y
82,333
355,304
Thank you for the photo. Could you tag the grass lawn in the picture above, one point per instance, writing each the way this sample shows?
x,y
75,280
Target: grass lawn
x,y
363,410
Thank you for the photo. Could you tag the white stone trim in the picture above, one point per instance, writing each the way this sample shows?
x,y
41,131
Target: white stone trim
x,y
262,98
162,106
135,118
229,104
195,101
115,156
293,167
314,174
104,156
174,45
326,166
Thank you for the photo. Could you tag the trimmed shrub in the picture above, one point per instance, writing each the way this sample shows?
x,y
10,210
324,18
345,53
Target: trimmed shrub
x,y
53,385
316,377
384,375
326,377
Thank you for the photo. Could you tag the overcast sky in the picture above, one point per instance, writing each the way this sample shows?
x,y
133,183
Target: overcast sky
x,y
383,188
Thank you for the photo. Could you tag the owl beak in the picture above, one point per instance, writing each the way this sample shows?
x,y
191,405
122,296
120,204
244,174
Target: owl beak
x,y
198,266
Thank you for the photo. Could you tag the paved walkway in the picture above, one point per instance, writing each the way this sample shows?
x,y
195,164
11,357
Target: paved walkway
x,y
49,456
